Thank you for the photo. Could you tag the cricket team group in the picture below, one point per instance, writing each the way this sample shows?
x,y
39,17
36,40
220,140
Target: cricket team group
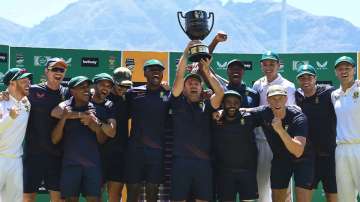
x,y
229,140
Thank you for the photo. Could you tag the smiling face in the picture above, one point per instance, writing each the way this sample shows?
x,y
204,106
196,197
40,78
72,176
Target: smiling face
x,y
154,75
235,74
103,88
81,92
345,72
231,106
307,82
55,75
270,68
21,86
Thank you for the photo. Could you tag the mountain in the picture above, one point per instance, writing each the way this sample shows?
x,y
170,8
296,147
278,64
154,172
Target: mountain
x,y
153,25
11,32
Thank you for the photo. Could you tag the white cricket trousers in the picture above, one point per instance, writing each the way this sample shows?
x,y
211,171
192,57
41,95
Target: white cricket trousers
x,y
11,180
347,161
265,156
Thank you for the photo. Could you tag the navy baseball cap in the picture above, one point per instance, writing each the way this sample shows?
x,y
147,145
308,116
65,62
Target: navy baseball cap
x,y
306,69
234,63
269,55
14,74
345,59
78,80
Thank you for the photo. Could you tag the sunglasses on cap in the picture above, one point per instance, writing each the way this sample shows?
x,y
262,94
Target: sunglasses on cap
x,y
57,69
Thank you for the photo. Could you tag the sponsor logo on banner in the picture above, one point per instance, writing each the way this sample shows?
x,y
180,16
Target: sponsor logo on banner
x,y
112,62
281,68
248,65
41,60
221,65
321,66
130,63
296,64
19,60
3,57
89,62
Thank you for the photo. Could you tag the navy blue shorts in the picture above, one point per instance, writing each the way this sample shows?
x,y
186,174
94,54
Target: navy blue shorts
x,y
191,176
76,179
143,164
231,182
41,168
302,169
113,166
325,172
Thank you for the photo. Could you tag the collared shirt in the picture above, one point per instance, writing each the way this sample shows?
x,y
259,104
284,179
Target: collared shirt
x,y
294,122
234,142
119,142
41,124
262,85
250,98
347,109
320,112
12,131
80,143
148,112
191,127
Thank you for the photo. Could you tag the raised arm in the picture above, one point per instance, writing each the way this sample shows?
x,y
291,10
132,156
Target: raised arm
x,y
218,95
180,72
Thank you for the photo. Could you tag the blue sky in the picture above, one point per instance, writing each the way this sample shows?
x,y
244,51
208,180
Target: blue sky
x,y
32,12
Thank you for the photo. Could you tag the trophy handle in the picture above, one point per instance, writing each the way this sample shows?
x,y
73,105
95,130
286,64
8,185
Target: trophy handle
x,y
211,14
180,14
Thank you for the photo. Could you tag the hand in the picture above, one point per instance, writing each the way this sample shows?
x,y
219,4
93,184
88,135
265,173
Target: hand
x,y
88,119
277,124
206,94
217,115
165,85
14,112
66,114
220,37
190,44
4,96
205,64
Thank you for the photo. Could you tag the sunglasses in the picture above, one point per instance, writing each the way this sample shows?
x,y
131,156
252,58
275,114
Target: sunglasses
x,y
57,69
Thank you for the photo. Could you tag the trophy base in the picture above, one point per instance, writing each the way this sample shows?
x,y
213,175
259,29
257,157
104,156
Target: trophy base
x,y
197,52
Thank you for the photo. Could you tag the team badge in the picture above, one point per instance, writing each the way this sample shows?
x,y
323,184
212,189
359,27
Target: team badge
x,y
40,95
286,127
356,94
242,121
317,100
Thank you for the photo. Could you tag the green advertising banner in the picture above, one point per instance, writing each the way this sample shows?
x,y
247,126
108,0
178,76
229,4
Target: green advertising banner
x,y
322,62
81,62
4,63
